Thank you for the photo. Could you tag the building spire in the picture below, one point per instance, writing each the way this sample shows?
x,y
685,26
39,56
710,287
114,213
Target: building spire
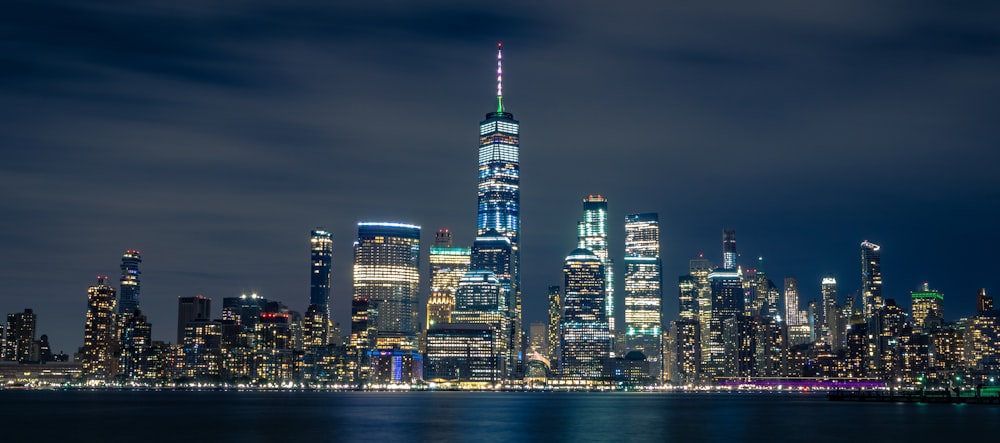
x,y
499,77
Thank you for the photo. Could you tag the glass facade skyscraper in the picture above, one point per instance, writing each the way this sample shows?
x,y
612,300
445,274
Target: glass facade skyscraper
x,y
386,276
643,292
592,235
99,332
128,296
499,194
320,265
585,336
871,278
448,265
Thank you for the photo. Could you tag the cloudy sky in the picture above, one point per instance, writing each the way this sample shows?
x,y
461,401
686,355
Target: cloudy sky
x,y
213,136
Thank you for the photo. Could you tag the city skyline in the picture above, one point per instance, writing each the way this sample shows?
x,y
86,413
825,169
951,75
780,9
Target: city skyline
x,y
217,206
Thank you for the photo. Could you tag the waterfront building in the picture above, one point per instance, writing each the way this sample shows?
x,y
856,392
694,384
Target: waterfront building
x,y
499,194
686,340
21,332
202,346
983,345
585,335
726,303
99,333
643,293
538,338
463,353
592,235
925,303
699,269
128,294
482,299
555,318
386,284
829,314
320,278
448,264
871,278
136,338
495,253
189,309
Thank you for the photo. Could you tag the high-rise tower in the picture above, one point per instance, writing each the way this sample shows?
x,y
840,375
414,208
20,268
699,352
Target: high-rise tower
x,y
128,295
99,333
586,339
321,255
871,278
643,293
448,264
592,234
499,194
729,249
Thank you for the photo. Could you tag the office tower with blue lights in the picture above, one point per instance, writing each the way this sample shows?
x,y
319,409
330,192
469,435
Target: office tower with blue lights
x,y
499,194
318,313
128,294
592,235
585,342
727,303
481,299
729,249
99,333
495,253
643,292
448,264
384,310
871,279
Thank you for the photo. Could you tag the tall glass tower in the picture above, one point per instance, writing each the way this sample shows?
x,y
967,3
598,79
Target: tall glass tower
x,y
321,259
729,249
387,278
499,195
643,293
586,339
128,295
448,264
871,278
592,234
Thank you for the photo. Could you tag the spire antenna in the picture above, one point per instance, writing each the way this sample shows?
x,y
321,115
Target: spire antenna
x,y
499,77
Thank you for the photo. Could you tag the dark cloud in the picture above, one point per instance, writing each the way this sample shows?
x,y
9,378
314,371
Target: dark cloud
x,y
213,135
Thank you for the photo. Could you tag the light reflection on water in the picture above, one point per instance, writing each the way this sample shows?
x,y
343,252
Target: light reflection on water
x,y
382,417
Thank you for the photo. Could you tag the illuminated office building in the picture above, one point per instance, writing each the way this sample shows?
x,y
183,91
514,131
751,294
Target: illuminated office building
x,y
321,260
21,331
448,265
128,300
495,253
925,303
871,278
463,353
699,269
499,195
729,249
555,318
686,340
592,235
136,338
99,333
829,317
189,309
727,303
799,331
386,284
585,335
643,293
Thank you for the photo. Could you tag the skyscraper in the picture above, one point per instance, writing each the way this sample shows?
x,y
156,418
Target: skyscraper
x,y
494,252
482,299
99,333
499,195
643,293
926,303
592,235
555,317
448,265
21,332
729,249
831,324
321,260
799,331
585,335
871,278
128,294
727,304
386,284
189,309
984,302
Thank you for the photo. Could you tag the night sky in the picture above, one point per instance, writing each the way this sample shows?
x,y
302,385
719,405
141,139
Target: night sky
x,y
213,136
